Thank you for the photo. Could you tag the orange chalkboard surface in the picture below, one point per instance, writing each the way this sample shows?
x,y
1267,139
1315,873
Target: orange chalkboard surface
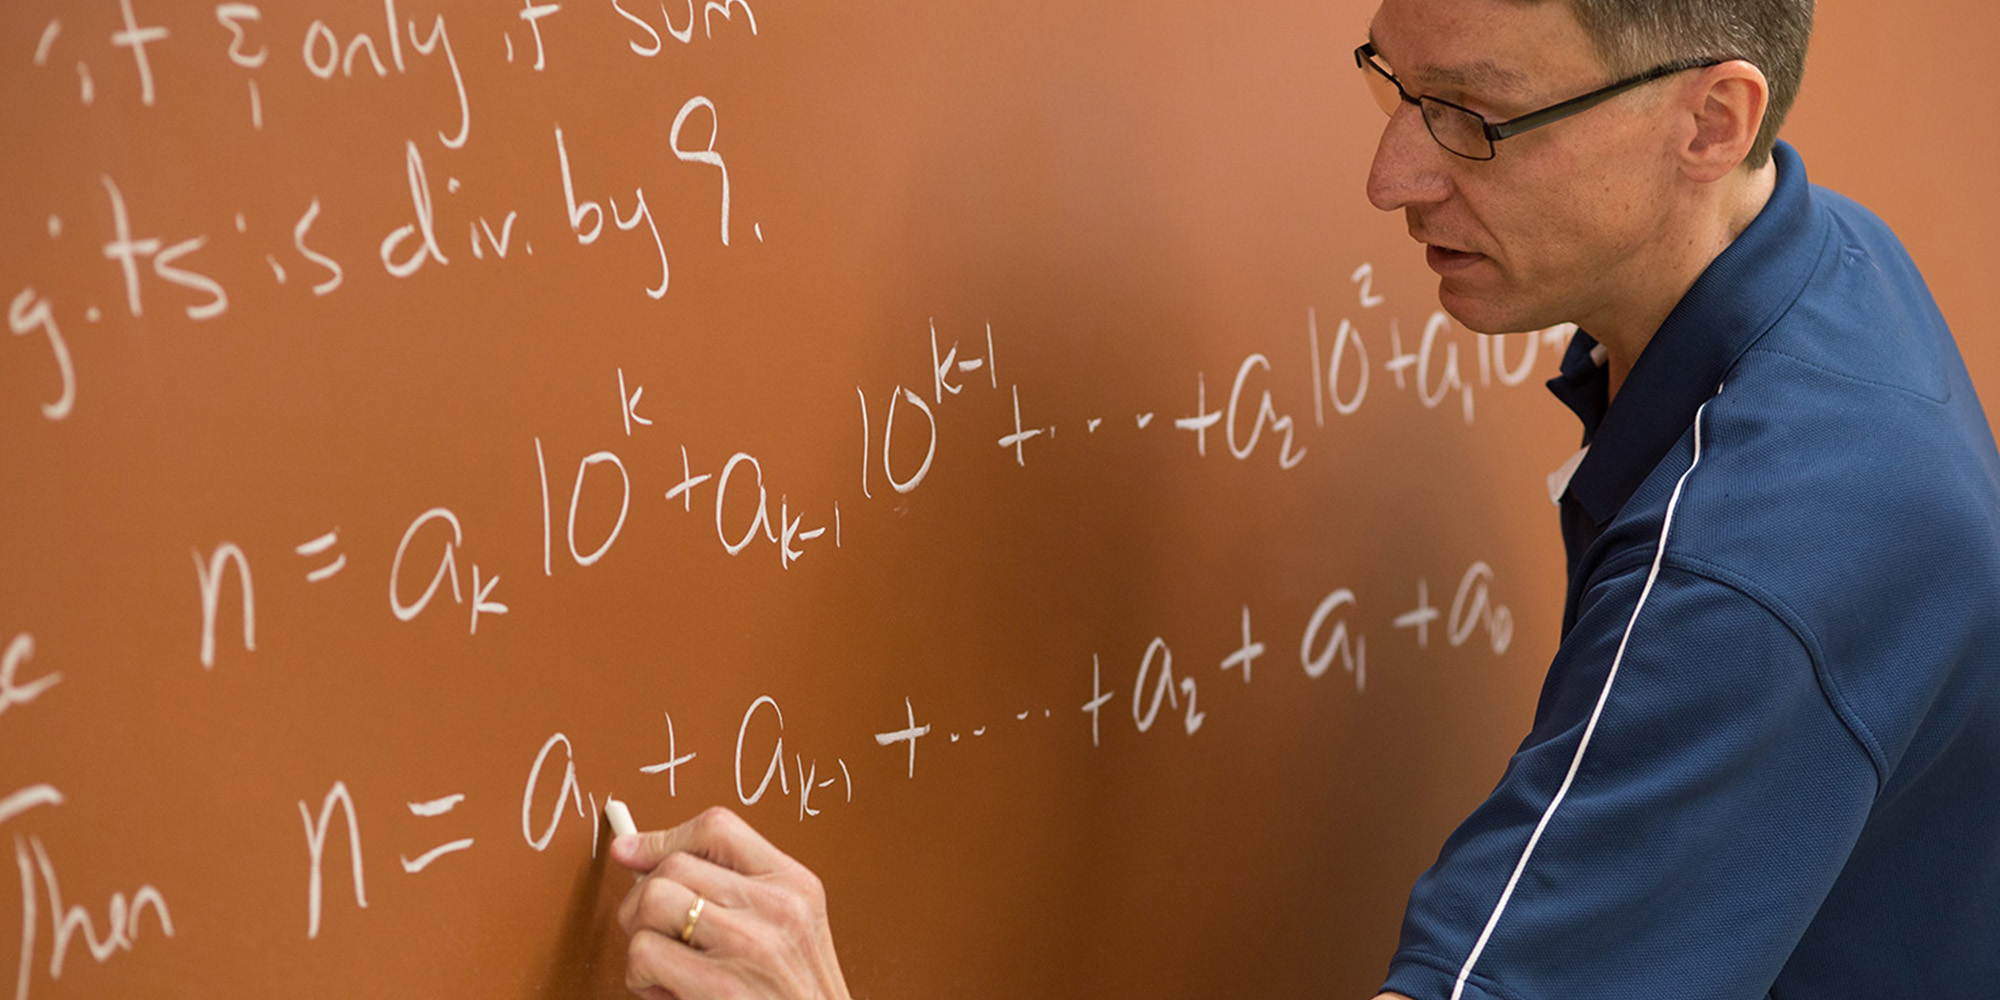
x,y
993,446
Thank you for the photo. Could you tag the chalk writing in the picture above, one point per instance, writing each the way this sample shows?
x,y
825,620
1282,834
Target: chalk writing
x,y
316,836
136,38
322,54
629,406
232,17
1431,369
1163,687
447,569
429,809
1472,608
672,765
424,226
567,792
1318,657
1267,415
335,275
1420,617
743,512
684,33
1020,436
808,773
908,734
22,800
532,14
12,691
122,924
1098,697
29,312
776,768
209,579
706,155
126,251
946,367
1245,655
319,547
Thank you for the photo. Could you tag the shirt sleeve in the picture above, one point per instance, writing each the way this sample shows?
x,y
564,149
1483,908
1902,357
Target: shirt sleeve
x,y
1668,828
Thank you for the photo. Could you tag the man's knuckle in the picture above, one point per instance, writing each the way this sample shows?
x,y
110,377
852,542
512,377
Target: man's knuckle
x,y
764,897
638,957
655,905
677,866
795,911
628,910
713,817
810,883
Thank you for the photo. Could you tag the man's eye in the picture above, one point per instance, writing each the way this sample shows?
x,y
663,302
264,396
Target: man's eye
x,y
1471,102
1483,108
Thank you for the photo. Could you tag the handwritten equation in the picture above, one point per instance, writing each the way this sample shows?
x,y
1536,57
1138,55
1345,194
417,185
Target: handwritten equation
x,y
1161,691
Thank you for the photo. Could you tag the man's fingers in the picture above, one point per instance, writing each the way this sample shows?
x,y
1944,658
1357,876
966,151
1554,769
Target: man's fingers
x,y
719,884
717,834
657,904
662,905
758,924
657,966
641,852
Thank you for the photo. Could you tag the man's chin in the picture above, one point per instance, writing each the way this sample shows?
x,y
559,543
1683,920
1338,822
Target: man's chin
x,y
1483,313
1473,312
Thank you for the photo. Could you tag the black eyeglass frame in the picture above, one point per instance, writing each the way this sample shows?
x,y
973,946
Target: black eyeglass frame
x,y
1364,59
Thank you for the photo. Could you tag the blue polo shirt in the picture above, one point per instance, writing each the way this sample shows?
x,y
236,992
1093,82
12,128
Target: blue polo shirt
x,y
1766,758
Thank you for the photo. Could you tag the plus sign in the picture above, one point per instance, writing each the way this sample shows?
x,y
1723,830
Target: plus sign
x,y
1249,651
1400,360
1019,437
1203,419
1420,617
909,735
1098,697
685,488
674,759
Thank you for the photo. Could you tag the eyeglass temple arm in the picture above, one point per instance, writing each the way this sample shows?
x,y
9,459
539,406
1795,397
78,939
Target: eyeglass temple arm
x,y
1576,105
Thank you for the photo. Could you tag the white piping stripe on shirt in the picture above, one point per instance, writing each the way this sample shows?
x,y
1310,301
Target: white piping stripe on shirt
x,y
1576,762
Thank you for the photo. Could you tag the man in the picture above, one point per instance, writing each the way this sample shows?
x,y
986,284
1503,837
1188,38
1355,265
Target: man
x,y
1766,756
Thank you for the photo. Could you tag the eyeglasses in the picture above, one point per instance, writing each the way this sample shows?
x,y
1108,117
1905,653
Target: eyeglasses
x,y
1464,132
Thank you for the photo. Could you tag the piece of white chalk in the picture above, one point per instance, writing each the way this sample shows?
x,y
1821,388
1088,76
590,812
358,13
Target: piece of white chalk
x,y
620,817
621,823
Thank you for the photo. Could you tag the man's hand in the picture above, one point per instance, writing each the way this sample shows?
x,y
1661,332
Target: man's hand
x,y
761,932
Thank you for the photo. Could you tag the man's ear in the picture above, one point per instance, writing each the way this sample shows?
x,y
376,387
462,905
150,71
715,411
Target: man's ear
x,y
1726,104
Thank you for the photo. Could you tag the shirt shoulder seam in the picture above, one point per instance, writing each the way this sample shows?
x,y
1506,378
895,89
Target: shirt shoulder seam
x,y
1795,623
1850,377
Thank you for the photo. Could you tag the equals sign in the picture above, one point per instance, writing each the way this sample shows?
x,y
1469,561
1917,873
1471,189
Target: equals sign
x,y
319,546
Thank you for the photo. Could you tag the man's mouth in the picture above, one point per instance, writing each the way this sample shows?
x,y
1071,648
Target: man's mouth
x,y
1446,260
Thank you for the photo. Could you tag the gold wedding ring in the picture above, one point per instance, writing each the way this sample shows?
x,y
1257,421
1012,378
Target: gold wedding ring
x,y
694,917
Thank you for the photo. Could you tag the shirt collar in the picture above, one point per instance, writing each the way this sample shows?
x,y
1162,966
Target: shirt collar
x,y
1741,294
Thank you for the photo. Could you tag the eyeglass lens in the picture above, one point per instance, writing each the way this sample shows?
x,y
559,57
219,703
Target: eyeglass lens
x,y
1457,129
1380,86
1454,128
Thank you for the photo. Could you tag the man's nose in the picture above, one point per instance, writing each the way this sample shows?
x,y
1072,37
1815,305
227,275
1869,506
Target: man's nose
x,y
1407,169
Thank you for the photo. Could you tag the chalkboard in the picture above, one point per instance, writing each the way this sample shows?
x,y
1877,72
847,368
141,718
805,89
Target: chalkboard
x,y
992,446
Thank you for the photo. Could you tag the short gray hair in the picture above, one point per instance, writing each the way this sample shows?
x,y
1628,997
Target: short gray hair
x,y
1636,35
